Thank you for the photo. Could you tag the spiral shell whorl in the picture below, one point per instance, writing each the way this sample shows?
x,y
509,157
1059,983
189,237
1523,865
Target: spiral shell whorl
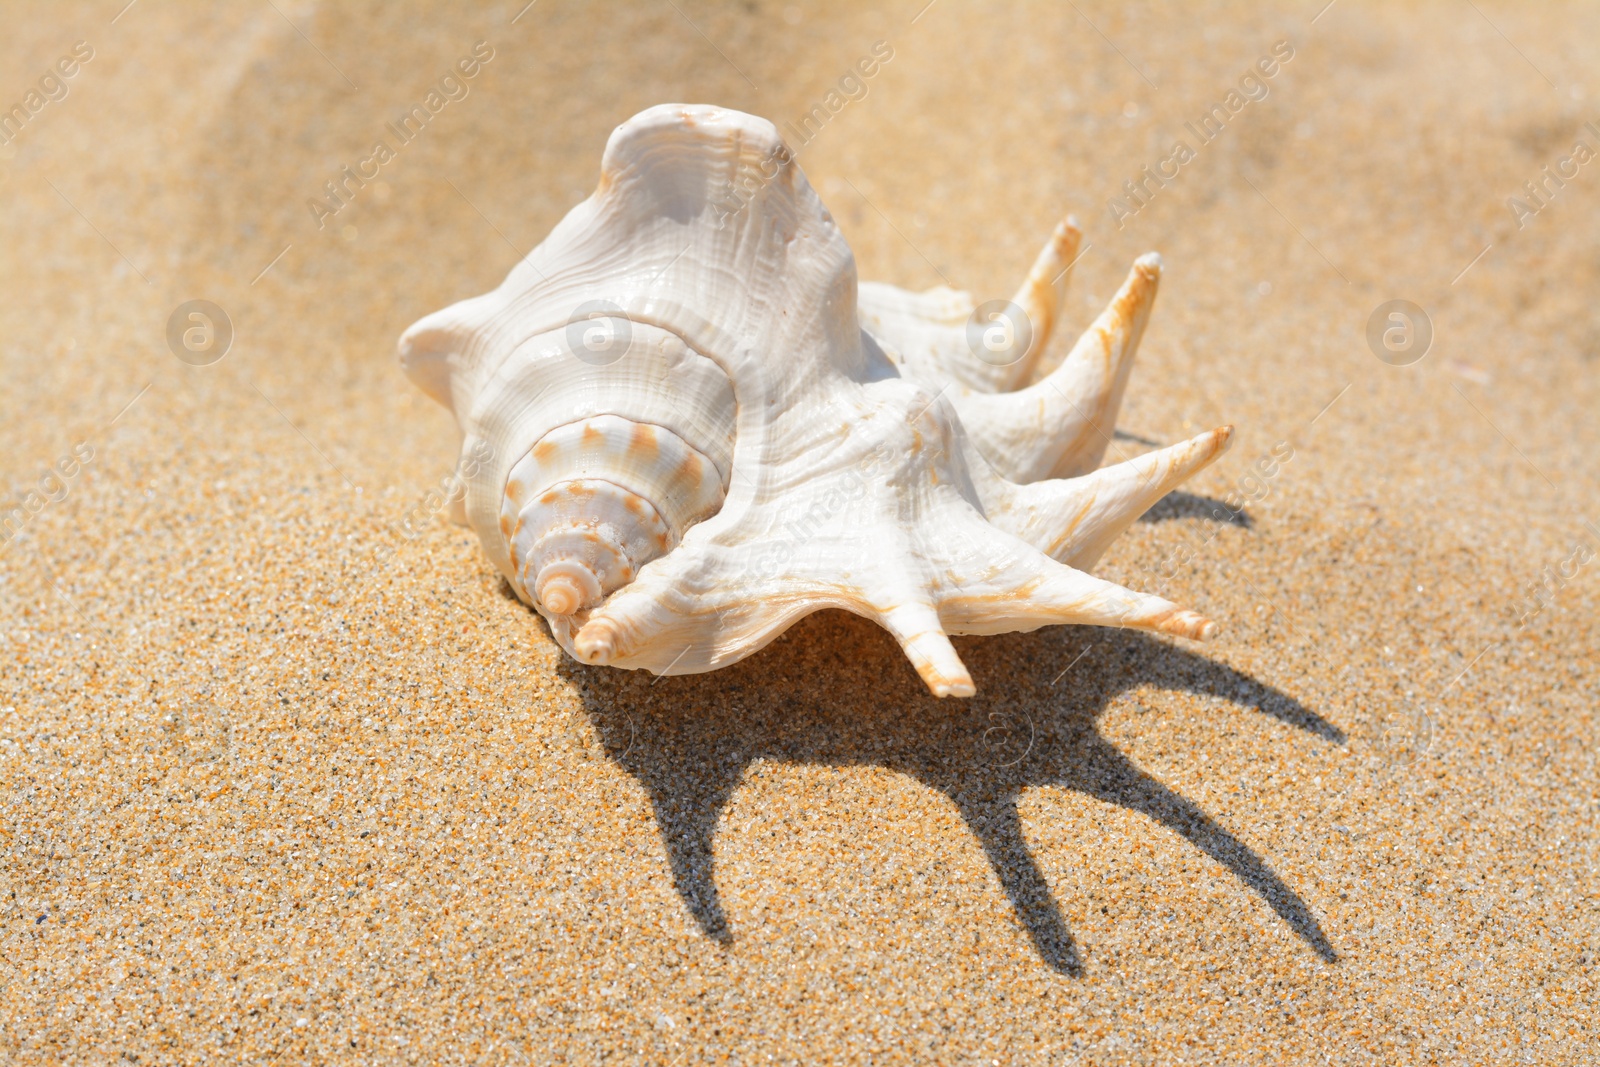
x,y
593,501
603,457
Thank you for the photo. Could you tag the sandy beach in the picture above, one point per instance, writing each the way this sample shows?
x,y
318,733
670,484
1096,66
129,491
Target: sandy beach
x,y
290,776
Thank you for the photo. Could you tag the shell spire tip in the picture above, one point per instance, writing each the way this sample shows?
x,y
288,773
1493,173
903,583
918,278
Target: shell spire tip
x,y
596,643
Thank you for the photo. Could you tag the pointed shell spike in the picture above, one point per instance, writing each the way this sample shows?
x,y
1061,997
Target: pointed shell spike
x,y
1037,295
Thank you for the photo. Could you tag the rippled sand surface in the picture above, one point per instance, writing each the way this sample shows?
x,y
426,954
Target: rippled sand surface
x,y
286,775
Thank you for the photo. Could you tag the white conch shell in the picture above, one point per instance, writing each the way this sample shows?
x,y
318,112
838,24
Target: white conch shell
x,y
728,447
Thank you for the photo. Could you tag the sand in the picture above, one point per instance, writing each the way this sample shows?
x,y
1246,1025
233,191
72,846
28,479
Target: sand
x,y
289,776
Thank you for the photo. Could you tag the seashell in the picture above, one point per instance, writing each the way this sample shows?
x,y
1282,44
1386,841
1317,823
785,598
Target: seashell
x,y
701,428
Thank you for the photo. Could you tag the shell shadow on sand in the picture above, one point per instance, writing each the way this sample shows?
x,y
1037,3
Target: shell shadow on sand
x,y
688,741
